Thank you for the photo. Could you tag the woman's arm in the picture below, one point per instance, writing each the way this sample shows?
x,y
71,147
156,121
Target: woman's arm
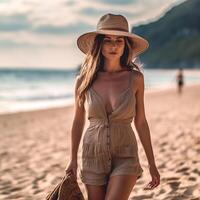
x,y
78,123
144,132
76,131
140,121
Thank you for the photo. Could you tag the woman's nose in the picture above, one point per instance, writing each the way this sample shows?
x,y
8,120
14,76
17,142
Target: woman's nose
x,y
113,43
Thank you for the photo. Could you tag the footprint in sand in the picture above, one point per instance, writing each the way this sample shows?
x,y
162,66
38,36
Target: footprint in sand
x,y
192,179
183,169
171,178
181,163
196,171
190,190
139,197
162,150
173,182
163,144
162,191
161,166
174,185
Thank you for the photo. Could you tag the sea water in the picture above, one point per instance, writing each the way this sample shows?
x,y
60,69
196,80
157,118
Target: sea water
x,y
32,89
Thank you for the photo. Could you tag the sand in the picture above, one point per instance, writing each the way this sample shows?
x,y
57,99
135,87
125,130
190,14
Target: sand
x,y
34,148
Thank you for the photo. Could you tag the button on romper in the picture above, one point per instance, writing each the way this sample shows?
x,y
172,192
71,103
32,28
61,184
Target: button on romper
x,y
109,144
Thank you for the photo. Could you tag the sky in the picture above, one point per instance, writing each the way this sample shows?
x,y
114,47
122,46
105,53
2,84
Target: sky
x,y
43,34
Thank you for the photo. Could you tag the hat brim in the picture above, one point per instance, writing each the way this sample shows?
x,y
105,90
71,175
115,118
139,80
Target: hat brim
x,y
85,41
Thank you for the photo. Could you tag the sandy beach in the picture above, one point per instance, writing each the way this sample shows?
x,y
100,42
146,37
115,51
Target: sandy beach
x,y
34,148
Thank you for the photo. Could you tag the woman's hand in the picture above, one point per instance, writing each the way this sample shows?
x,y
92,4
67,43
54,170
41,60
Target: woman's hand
x,y
155,178
72,167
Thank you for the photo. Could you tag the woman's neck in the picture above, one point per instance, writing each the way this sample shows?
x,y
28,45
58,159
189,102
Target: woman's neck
x,y
112,66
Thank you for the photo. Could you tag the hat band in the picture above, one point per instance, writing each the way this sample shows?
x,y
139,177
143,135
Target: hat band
x,y
116,29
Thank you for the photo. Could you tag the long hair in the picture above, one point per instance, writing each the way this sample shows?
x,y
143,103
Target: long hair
x,y
94,61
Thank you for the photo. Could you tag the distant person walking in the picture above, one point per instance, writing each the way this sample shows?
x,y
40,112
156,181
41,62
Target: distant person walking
x,y
180,80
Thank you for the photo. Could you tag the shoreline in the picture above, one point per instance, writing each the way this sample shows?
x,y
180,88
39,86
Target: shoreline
x,y
70,102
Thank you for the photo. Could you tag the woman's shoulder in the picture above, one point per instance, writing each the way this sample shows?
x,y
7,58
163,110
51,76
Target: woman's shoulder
x,y
138,75
78,81
138,78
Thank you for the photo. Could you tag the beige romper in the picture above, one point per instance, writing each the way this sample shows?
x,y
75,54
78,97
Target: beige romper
x,y
109,145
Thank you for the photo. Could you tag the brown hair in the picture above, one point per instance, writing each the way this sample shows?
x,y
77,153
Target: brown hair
x,y
94,61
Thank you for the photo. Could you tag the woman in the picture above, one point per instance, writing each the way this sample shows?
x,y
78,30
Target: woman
x,y
114,89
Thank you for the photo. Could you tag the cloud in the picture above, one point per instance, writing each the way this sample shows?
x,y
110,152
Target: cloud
x,y
15,22
32,40
30,26
61,16
67,29
119,2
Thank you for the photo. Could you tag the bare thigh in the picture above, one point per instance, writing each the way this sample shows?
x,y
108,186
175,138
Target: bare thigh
x,y
120,187
95,192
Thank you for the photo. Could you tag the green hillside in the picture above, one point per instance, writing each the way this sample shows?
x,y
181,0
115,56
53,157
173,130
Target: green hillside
x,y
174,39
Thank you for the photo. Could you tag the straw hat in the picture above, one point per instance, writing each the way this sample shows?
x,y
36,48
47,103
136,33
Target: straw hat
x,y
113,25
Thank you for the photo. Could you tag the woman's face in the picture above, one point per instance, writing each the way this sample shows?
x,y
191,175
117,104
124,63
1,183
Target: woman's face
x,y
113,46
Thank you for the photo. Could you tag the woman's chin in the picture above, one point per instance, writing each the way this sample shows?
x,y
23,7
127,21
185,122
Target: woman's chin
x,y
113,56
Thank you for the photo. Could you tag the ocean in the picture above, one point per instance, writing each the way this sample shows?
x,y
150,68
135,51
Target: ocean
x,y
32,89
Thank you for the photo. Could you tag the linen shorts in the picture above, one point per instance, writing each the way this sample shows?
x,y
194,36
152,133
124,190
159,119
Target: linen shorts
x,y
94,172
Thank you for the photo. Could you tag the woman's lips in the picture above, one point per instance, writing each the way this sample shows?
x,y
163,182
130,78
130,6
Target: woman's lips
x,y
113,53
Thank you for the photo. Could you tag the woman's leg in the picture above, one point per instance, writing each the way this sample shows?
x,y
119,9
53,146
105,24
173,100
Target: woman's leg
x,y
95,192
120,187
